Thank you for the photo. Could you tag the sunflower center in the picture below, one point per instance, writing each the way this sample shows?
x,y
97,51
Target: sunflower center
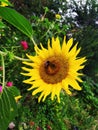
x,y
54,69
51,67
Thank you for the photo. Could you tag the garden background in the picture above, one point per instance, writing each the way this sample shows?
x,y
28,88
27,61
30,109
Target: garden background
x,y
36,21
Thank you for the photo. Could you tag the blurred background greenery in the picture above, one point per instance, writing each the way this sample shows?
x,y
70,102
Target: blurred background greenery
x,y
78,20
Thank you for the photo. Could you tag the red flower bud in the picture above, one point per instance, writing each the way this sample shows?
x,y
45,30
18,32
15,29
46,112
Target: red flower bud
x,y
9,84
24,45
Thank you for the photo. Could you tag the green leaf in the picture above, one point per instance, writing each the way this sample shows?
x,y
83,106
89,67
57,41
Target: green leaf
x,y
11,56
6,2
17,20
14,91
8,109
2,25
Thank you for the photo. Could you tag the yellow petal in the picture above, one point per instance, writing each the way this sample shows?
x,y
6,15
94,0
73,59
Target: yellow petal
x,y
30,88
56,45
72,52
28,63
81,60
58,89
74,84
46,93
35,59
17,98
37,49
53,91
69,44
66,88
26,69
77,52
39,89
40,97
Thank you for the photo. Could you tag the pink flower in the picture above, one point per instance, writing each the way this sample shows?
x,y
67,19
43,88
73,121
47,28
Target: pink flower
x,y
24,45
1,88
9,84
11,125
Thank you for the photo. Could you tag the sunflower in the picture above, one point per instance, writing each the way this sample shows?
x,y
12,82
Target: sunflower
x,y
54,69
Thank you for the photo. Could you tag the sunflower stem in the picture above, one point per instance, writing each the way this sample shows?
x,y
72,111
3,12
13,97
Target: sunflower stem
x,y
32,39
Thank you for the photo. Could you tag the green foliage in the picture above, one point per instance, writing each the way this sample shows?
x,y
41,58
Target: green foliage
x,y
76,112
10,50
90,92
37,7
8,108
69,114
88,40
46,29
2,25
17,20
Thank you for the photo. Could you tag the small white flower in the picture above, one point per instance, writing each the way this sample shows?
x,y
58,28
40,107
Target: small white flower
x,y
11,125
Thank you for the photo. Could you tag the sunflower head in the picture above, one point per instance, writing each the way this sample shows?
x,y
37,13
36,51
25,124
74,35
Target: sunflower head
x,y
54,69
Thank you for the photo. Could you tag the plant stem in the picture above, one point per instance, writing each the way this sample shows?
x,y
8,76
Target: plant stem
x,y
33,41
3,74
22,59
16,57
3,53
